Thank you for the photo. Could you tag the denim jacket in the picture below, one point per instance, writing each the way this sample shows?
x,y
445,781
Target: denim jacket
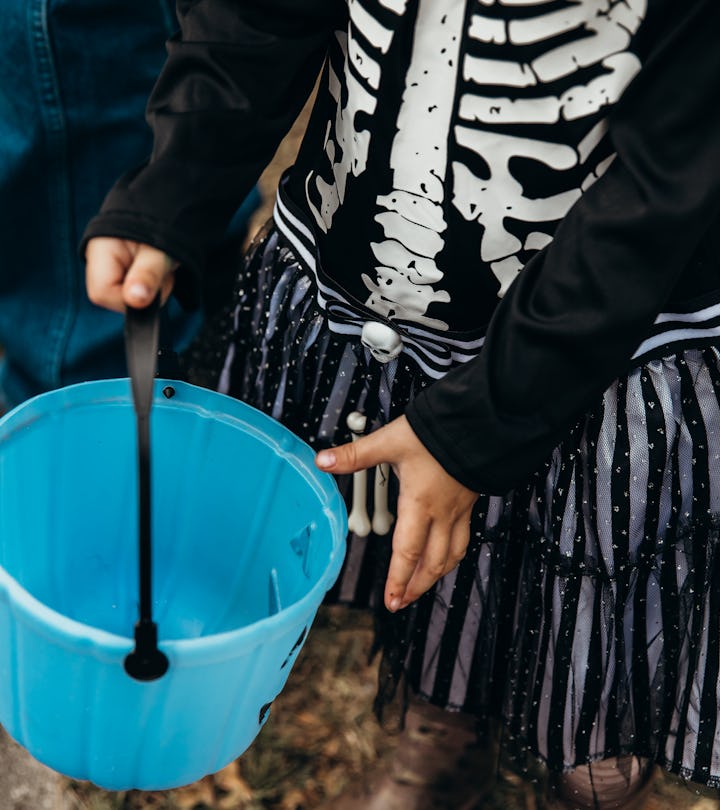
x,y
74,80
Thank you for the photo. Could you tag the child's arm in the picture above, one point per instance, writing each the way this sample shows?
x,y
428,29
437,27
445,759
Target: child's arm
x,y
235,80
570,322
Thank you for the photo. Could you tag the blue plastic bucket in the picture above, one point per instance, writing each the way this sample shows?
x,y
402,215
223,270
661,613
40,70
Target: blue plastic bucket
x,y
247,537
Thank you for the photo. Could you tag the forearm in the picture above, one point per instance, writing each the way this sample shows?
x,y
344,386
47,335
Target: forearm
x,y
235,79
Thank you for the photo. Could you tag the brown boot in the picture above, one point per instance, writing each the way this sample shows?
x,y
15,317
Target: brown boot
x,y
604,786
437,765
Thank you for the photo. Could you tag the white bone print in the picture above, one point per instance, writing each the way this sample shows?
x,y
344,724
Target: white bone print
x,y
491,200
351,144
498,95
413,222
358,519
348,147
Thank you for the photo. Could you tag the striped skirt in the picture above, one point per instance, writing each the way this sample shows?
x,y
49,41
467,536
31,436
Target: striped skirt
x,y
586,612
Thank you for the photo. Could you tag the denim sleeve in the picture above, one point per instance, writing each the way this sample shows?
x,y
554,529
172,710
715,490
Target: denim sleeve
x,y
236,77
569,324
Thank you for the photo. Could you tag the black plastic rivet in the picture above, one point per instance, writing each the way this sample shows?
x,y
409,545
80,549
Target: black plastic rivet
x,y
169,391
146,662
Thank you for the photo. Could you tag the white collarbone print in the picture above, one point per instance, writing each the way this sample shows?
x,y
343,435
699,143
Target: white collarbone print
x,y
498,126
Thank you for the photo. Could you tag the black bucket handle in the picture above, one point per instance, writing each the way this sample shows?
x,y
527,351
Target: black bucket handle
x,y
142,326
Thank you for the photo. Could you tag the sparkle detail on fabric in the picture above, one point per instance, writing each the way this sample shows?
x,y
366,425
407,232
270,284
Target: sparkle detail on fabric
x,y
586,608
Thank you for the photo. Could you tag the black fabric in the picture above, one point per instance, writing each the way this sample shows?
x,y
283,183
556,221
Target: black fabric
x,y
583,627
643,236
570,322
236,78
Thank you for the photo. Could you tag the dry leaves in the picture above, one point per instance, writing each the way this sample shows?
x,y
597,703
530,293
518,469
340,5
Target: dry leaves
x,y
320,735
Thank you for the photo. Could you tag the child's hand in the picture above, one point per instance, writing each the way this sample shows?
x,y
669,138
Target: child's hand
x,y
433,525
122,273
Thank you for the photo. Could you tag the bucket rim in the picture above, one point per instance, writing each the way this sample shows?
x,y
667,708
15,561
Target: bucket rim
x,y
109,646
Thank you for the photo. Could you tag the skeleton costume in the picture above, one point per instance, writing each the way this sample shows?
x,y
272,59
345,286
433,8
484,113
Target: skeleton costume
x,y
503,222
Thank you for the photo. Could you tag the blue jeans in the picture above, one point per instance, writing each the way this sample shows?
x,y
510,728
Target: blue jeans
x,y
74,80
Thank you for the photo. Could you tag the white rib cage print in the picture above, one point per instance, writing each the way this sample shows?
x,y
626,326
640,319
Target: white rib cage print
x,y
597,54
463,87
345,144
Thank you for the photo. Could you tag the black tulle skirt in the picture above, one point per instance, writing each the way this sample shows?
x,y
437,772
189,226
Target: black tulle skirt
x,y
586,613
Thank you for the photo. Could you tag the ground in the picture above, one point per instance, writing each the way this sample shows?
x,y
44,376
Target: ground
x,y
321,736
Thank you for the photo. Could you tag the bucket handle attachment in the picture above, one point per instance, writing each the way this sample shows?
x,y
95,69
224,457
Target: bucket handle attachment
x,y
146,662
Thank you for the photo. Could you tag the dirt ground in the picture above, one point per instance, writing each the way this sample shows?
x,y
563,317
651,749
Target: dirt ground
x,y
321,734
321,737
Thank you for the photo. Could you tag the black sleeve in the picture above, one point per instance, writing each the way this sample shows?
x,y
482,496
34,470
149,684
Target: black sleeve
x,y
571,321
236,77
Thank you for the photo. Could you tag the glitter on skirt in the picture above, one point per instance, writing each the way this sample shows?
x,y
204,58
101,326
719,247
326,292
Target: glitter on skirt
x,y
587,609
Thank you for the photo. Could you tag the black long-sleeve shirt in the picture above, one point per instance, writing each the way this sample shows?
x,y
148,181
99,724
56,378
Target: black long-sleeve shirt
x,y
541,180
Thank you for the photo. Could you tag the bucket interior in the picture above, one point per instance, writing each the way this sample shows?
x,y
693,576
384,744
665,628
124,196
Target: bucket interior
x,y
239,532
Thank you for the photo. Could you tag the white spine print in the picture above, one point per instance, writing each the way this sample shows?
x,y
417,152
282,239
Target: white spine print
x,y
413,213
604,29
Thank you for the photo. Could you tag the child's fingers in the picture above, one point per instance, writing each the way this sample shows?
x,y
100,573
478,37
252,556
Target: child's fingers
x,y
432,529
107,261
120,272
431,565
150,272
167,287
459,542
368,451
408,544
